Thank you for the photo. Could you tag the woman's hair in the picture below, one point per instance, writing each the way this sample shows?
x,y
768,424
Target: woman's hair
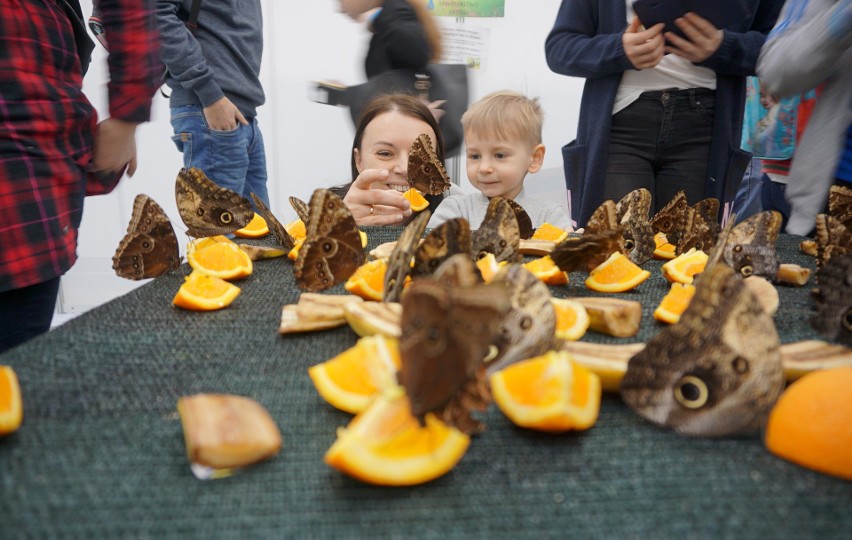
x,y
506,115
430,28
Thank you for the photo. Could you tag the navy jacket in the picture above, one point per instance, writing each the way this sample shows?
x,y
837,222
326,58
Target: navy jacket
x,y
586,42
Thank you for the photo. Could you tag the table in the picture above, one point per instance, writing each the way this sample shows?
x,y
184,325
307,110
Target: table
x,y
101,450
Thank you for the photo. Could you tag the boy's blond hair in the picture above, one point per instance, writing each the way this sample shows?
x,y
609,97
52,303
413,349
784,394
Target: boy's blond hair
x,y
505,115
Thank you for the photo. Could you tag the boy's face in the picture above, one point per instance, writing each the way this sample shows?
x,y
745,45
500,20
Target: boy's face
x,y
498,168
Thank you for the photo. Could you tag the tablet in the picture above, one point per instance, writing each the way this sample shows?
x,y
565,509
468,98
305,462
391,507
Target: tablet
x,y
722,13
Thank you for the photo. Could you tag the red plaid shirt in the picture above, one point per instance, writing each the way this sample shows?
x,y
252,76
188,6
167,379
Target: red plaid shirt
x,y
47,125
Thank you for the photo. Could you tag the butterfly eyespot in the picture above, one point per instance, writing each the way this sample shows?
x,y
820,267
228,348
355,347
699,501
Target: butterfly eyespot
x,y
699,246
433,334
691,392
666,224
493,351
629,245
526,322
200,212
329,248
481,254
146,244
747,270
226,217
847,319
738,248
740,365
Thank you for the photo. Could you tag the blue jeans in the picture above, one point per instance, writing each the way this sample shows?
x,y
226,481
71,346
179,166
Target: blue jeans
x,y
773,198
233,159
749,199
26,312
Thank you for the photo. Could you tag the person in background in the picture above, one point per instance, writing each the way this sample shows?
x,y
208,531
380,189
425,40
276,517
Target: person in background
x,y
384,134
52,147
658,111
812,46
502,135
214,75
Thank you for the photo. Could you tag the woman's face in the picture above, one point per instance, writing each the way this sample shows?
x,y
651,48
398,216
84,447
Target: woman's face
x,y
354,8
386,143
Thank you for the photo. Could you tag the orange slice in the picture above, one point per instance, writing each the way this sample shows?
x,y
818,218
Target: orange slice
x,y
297,229
550,232
256,228
547,271
572,319
418,201
674,303
548,393
616,274
664,250
488,267
201,292
811,423
363,238
351,379
386,445
682,268
223,260
368,281
294,253
201,243
11,404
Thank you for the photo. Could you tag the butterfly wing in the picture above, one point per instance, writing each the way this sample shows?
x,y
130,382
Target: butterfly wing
x,y
399,262
669,220
281,234
426,173
750,246
207,209
632,214
833,299
301,207
525,224
450,237
585,252
832,238
499,233
150,247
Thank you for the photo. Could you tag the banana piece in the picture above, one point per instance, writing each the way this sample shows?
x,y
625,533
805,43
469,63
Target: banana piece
x,y
375,318
316,311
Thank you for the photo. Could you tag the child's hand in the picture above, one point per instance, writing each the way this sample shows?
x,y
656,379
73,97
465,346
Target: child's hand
x,y
373,203
644,49
703,38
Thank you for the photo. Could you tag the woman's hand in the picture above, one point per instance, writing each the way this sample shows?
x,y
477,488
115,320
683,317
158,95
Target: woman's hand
x,y
376,206
644,49
115,147
703,39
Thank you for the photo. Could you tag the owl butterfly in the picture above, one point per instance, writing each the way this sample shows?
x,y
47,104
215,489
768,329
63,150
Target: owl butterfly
x,y
700,227
604,220
498,234
426,173
207,209
458,271
585,252
833,299
832,238
332,250
708,209
278,230
529,326
525,225
446,334
716,372
750,246
301,208
150,247
669,220
399,262
632,214
442,242
840,204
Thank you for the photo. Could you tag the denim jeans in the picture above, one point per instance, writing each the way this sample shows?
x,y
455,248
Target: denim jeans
x,y
749,199
26,312
233,159
773,198
661,142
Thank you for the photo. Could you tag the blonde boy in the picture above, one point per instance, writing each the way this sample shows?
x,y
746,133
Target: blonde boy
x,y
502,137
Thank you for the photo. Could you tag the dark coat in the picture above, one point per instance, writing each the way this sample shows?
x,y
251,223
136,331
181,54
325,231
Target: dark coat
x,y
398,41
586,42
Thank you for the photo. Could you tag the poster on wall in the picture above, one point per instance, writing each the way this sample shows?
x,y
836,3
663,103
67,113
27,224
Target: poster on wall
x,y
467,8
465,44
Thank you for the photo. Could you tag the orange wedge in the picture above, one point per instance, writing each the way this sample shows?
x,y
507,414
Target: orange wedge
x,y
201,243
674,303
547,271
223,260
297,229
616,274
351,379
664,250
386,445
488,267
293,254
418,201
682,268
368,281
201,292
11,404
549,232
548,393
256,228
572,319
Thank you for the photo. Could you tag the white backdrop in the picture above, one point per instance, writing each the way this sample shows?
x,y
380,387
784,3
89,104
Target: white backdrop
x,y
308,143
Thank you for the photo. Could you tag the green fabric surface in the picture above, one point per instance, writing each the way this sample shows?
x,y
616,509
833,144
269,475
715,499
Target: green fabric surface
x,y
101,450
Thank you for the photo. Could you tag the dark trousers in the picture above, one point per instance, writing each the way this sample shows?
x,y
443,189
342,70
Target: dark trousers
x,y
26,313
661,142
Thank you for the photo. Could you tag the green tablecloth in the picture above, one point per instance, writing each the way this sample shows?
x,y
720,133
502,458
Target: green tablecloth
x,y
101,451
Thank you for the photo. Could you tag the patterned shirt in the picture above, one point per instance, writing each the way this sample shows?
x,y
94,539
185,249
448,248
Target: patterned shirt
x,y
47,125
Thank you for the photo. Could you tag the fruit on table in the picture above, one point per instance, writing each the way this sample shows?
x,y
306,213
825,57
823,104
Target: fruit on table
x,y
11,403
201,292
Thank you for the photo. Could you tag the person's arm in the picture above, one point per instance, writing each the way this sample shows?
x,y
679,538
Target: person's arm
x,y
447,210
574,48
801,54
405,38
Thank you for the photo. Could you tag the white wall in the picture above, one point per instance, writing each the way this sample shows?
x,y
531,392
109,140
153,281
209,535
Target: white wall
x,y
308,143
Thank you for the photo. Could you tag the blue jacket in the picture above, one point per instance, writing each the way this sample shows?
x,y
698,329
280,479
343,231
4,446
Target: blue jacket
x,y
586,42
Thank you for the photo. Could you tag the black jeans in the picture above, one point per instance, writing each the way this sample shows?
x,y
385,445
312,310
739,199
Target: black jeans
x,y
661,142
26,312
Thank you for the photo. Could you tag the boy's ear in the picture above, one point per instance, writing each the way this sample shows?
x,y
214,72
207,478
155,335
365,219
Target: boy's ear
x,y
537,159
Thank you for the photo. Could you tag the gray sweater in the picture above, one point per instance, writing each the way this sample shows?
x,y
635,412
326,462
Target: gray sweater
x,y
811,45
221,59
473,206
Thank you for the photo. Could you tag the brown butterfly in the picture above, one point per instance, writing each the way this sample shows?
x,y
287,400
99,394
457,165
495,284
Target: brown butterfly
x,y
632,214
150,247
750,246
832,238
426,173
332,250
525,225
708,209
695,233
833,299
604,221
301,208
399,262
669,220
458,271
207,209
450,237
499,233
585,252
278,230
717,372
446,334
